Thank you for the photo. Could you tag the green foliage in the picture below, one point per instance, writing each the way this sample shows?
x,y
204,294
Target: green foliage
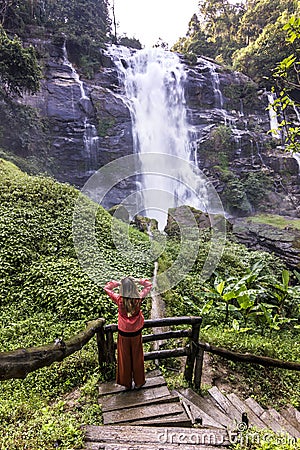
x,y
19,69
276,221
235,197
85,23
256,185
24,139
269,386
130,42
218,149
258,58
256,439
45,294
286,81
251,304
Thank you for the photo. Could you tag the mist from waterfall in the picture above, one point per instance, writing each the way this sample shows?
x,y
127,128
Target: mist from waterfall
x,y
154,85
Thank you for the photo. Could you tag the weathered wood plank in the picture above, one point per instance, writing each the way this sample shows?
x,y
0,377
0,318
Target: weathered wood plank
x,y
131,446
198,413
137,398
116,434
264,415
164,322
112,388
224,404
180,420
166,335
284,423
243,407
164,354
292,415
271,422
132,414
256,407
206,405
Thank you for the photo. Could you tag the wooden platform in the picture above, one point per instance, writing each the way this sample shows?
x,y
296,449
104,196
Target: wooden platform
x,y
150,406
154,418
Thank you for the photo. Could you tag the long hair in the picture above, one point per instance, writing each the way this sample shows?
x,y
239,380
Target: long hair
x,y
130,295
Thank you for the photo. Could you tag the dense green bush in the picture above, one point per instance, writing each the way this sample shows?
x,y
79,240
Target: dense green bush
x,y
45,293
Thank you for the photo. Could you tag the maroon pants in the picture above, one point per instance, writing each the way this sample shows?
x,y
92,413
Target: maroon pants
x,y
130,361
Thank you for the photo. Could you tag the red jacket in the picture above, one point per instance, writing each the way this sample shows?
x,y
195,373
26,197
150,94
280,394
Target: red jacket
x,y
125,323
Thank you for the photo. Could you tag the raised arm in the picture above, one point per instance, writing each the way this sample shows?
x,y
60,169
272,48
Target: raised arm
x,y
109,290
147,286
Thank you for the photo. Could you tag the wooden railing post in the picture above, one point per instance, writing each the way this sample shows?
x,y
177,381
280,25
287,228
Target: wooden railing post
x,y
102,348
190,360
111,353
198,368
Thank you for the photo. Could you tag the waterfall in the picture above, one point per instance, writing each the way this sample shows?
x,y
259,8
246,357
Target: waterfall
x,y
273,118
219,100
75,74
153,80
90,135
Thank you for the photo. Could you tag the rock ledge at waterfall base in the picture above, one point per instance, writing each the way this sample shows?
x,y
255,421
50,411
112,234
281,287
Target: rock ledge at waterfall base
x,y
284,243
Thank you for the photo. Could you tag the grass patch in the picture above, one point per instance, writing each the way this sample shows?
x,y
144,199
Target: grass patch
x,y
276,221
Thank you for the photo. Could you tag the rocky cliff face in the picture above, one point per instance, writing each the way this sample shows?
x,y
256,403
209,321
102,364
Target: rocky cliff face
x,y
89,125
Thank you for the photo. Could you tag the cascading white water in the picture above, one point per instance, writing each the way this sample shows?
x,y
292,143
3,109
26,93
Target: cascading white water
x,y
273,118
154,86
90,136
74,73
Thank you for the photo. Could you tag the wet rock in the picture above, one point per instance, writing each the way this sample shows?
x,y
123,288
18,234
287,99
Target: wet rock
x,y
284,243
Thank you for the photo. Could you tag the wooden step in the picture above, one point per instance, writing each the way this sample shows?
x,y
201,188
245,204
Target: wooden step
x,y
130,446
199,416
136,398
180,420
134,414
207,406
292,415
112,388
264,415
256,407
241,406
224,404
289,428
143,437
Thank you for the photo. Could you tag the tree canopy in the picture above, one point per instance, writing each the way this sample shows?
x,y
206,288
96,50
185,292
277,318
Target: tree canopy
x,y
246,36
19,68
85,24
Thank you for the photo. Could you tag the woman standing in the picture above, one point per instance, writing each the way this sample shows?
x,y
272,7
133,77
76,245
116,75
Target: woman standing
x,y
130,323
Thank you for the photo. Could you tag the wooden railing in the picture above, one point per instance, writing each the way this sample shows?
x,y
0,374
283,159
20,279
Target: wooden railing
x,y
18,363
193,366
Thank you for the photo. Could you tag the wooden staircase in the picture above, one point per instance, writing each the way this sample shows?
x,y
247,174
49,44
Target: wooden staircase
x,y
153,418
